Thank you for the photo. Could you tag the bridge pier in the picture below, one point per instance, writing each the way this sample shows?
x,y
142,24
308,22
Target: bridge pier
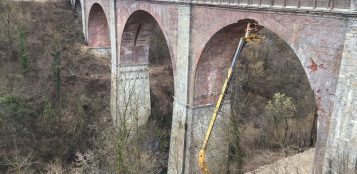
x,y
105,52
178,137
114,63
188,134
180,117
133,99
341,152
353,5
217,151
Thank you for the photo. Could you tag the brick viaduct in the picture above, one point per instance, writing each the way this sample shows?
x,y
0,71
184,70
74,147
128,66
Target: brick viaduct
x,y
322,33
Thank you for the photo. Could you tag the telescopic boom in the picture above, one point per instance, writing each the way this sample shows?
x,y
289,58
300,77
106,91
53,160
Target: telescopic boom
x,y
249,36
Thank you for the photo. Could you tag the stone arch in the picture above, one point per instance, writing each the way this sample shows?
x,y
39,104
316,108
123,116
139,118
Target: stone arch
x,y
98,28
320,63
268,23
146,59
78,7
136,37
209,71
278,28
214,60
141,39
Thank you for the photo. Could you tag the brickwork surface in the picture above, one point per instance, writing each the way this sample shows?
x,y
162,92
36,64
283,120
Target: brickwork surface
x,y
201,40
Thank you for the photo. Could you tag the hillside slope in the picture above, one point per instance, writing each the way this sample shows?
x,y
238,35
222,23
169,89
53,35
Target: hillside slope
x,y
43,128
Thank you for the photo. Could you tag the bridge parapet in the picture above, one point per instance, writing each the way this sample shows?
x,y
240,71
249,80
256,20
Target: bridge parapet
x,y
335,6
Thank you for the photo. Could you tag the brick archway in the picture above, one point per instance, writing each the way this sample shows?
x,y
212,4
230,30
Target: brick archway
x,y
78,7
146,69
144,52
209,70
98,29
136,38
306,35
214,60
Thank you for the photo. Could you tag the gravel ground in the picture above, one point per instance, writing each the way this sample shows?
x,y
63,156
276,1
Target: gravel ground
x,y
298,164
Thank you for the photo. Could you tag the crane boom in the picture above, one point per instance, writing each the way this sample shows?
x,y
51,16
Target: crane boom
x,y
202,153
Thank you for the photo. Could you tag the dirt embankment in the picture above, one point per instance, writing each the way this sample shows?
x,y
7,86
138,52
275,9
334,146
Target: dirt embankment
x,y
69,129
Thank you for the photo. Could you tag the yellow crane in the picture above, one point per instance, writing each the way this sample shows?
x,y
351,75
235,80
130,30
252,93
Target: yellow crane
x,y
250,31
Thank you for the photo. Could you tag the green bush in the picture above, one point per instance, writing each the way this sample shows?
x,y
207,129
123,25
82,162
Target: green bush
x,y
24,58
280,111
56,70
15,107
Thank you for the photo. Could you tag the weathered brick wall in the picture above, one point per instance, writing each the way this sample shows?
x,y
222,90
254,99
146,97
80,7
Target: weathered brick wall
x,y
178,159
217,149
135,41
317,39
134,95
97,34
307,35
98,28
342,143
164,15
135,23
214,62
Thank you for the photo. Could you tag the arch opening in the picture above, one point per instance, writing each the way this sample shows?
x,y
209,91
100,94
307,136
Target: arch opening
x,y
272,106
98,29
144,45
78,7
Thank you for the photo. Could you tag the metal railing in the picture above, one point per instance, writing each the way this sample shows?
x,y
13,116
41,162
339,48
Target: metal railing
x,y
316,5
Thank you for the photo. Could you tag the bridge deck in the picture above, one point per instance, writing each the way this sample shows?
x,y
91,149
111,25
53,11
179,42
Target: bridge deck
x,y
335,6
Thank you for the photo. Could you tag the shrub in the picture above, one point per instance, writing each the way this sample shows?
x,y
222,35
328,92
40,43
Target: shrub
x,y
15,107
24,58
279,115
56,70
